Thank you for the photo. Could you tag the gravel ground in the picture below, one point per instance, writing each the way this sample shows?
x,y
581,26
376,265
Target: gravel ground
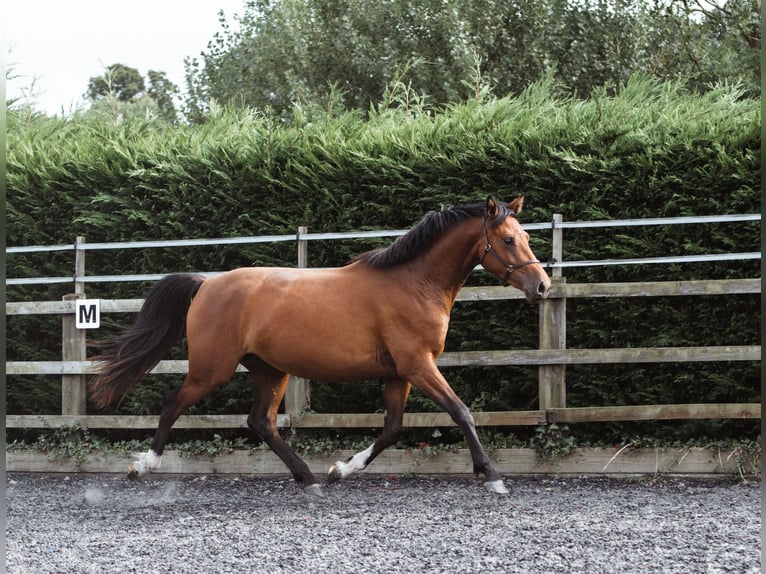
x,y
168,523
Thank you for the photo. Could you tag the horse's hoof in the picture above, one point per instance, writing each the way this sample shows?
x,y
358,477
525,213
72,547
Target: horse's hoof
x,y
132,473
496,486
334,474
314,490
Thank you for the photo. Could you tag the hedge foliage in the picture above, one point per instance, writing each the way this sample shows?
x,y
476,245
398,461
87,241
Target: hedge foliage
x,y
651,150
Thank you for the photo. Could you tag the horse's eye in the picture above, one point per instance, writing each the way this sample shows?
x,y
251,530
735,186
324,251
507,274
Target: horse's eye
x,y
508,240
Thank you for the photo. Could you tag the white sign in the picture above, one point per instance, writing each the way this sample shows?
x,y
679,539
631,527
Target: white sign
x,y
87,313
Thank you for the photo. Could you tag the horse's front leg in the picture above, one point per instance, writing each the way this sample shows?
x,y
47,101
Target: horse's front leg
x,y
427,377
394,398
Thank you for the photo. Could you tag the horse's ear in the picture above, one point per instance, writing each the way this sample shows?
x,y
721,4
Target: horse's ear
x,y
492,209
517,204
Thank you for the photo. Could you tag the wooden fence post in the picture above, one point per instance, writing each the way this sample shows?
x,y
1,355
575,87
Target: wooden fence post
x,y
553,331
298,394
73,342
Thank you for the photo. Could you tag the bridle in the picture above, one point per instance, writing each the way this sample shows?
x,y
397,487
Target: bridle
x,y
509,267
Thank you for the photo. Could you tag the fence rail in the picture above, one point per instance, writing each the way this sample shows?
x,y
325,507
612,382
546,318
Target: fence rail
x,y
551,357
467,358
556,225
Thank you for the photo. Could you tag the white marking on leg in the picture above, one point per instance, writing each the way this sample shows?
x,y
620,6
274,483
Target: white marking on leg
x,y
496,486
356,462
147,462
314,490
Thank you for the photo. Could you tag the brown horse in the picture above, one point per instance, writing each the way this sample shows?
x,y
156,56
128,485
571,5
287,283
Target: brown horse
x,y
385,315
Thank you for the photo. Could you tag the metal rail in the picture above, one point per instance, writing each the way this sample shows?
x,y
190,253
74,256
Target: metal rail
x,y
699,258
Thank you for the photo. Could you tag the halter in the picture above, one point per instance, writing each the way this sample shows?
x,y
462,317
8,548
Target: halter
x,y
509,267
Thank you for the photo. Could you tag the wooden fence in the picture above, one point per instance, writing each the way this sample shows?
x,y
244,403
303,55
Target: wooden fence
x,y
551,357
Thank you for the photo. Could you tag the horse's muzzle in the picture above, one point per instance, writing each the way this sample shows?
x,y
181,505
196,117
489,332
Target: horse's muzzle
x,y
539,291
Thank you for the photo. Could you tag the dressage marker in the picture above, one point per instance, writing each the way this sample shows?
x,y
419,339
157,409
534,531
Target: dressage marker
x,y
383,316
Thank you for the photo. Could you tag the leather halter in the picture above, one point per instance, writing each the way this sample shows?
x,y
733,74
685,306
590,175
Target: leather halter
x,y
509,267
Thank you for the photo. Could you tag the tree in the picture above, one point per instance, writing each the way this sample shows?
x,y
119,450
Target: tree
x,y
288,51
163,92
294,50
119,81
121,92
717,40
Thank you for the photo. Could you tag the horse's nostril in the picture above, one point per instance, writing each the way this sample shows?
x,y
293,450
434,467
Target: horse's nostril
x,y
542,289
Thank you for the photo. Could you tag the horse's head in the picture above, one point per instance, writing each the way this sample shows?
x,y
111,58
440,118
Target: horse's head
x,y
506,252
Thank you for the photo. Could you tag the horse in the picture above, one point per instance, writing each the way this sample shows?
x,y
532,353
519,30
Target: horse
x,y
383,316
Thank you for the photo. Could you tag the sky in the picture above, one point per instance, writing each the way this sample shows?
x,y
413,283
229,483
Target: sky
x,y
56,46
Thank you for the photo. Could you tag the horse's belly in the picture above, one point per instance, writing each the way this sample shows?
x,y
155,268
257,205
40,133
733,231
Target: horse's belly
x,y
321,357
338,369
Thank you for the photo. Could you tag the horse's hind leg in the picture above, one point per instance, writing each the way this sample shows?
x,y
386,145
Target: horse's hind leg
x,y
394,399
269,386
193,390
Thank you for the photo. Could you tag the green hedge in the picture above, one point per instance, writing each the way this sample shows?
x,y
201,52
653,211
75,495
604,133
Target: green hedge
x,y
652,150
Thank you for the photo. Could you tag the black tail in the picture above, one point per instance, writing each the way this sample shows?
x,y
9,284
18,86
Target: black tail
x,y
160,325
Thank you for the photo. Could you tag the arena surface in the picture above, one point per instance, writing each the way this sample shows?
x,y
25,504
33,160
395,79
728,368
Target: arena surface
x,y
170,523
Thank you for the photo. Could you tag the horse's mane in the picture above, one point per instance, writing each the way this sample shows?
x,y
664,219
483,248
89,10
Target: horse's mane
x,y
434,223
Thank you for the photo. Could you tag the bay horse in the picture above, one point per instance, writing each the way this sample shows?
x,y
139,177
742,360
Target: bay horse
x,y
382,316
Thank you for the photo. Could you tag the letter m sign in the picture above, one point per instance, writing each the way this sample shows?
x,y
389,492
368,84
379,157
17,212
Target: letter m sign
x,y
88,313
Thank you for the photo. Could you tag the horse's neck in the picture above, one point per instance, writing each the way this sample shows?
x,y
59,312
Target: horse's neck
x,y
448,263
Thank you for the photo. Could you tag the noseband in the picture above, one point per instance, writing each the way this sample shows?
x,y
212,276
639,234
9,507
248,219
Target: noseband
x,y
509,267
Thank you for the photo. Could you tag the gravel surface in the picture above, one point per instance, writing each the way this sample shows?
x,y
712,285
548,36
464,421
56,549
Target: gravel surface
x,y
168,523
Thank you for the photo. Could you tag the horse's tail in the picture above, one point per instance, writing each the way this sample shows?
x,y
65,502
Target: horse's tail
x,y
160,324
